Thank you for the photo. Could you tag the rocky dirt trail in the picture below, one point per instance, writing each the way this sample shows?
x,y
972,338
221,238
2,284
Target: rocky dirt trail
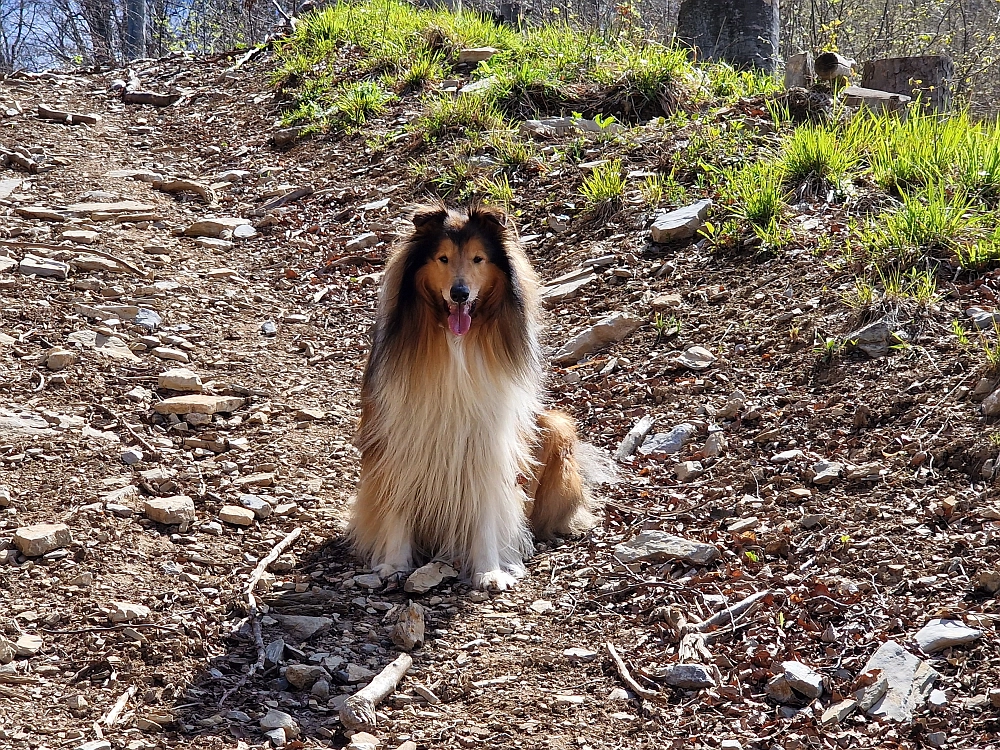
x,y
799,555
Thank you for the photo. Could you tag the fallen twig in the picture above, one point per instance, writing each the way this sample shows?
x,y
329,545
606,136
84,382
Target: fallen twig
x,y
358,711
626,676
727,615
112,716
253,613
68,118
146,445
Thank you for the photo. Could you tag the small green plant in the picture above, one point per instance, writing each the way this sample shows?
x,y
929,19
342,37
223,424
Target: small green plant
x,y
755,193
814,157
604,187
453,181
862,297
991,349
773,237
446,114
428,66
499,191
922,287
995,439
928,220
662,187
960,334
510,150
981,253
828,349
356,102
751,555
669,325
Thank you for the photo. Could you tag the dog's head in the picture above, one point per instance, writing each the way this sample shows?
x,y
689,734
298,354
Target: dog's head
x,y
461,263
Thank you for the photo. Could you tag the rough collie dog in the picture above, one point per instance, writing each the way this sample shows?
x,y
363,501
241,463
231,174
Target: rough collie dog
x,y
458,460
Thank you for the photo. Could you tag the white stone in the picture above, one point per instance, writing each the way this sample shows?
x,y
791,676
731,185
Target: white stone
x,y
826,472
132,456
909,682
368,581
179,379
80,236
218,228
59,358
476,54
166,352
681,224
169,510
32,265
687,470
939,634
659,546
198,404
426,577
28,645
275,719
634,438
303,627
580,654
668,443
613,328
696,358
237,515
541,606
361,242
38,539
128,611
839,711
260,507
803,678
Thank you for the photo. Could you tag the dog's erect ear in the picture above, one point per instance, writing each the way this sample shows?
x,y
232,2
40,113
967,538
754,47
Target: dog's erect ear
x,y
489,215
429,216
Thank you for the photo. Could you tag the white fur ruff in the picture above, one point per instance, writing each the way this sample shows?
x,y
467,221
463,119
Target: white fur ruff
x,y
447,483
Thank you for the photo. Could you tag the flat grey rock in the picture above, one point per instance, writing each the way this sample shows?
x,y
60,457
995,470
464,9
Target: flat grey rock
x,y
909,682
689,676
873,339
32,265
613,328
680,224
303,627
659,546
668,443
803,678
939,634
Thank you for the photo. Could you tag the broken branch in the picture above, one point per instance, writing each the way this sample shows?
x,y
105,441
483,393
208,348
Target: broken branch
x,y
358,712
253,612
627,677
67,118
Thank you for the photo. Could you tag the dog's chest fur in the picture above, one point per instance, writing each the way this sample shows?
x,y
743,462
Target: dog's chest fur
x,y
456,442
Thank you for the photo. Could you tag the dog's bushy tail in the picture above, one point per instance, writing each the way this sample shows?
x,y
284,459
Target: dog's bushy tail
x,y
596,466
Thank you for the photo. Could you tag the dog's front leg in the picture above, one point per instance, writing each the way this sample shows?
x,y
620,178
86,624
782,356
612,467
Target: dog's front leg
x,y
496,561
396,554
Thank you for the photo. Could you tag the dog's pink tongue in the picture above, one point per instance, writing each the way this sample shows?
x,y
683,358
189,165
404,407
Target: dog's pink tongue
x,y
459,320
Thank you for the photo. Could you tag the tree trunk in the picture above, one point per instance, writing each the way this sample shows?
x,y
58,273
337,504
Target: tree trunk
x,y
743,33
97,14
928,77
135,29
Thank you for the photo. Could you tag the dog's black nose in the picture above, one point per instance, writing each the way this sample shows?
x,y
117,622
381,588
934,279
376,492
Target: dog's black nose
x,y
459,294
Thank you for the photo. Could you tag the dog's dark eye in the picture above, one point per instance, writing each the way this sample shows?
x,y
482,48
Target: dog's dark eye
x,y
443,259
477,259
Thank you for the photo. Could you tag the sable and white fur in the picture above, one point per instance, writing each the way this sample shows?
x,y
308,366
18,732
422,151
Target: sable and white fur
x,y
451,412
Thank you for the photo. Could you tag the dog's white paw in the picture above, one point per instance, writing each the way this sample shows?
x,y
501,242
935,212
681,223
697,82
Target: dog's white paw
x,y
387,572
494,580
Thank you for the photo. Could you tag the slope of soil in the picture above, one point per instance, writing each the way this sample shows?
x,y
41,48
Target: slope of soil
x,y
907,533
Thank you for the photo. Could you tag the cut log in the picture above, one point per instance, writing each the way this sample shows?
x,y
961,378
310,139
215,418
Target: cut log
x,y
927,77
358,711
830,66
743,33
20,160
799,72
67,118
133,94
879,101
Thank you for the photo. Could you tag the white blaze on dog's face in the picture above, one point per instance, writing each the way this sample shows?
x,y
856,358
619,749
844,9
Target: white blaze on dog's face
x,y
463,275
